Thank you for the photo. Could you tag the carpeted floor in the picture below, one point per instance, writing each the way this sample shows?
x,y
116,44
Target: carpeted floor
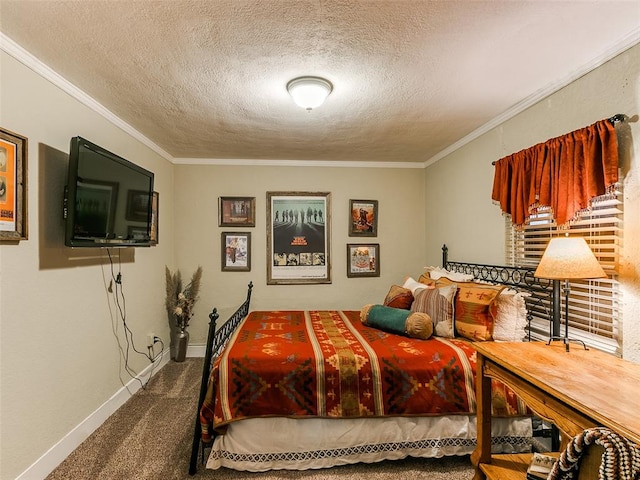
x,y
150,438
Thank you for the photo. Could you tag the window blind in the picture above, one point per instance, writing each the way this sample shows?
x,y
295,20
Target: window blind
x,y
594,305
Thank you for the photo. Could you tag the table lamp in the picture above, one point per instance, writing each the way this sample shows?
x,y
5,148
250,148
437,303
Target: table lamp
x,y
568,258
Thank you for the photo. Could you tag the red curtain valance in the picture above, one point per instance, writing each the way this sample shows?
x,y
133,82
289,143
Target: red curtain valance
x,y
563,173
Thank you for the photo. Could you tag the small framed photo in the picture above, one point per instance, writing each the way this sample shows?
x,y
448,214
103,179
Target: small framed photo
x,y
363,260
236,251
13,186
363,218
237,211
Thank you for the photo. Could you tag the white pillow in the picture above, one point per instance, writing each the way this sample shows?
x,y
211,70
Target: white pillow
x,y
511,319
437,272
414,285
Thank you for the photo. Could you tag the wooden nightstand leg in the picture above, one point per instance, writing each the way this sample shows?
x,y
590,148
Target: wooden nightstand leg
x,y
482,453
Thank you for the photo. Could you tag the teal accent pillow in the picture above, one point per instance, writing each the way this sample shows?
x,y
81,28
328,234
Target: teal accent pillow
x,y
397,320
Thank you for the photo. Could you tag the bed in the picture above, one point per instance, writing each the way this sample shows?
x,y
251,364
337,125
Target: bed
x,y
314,389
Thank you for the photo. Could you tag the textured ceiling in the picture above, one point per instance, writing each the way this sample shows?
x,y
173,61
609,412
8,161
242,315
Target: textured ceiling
x,y
206,79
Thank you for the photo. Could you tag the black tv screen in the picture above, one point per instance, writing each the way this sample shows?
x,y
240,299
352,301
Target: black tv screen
x,y
108,199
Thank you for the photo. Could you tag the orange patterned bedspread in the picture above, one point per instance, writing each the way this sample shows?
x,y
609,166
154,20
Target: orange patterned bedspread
x,y
328,364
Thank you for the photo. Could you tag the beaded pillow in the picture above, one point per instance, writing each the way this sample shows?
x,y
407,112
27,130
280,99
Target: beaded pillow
x,y
511,318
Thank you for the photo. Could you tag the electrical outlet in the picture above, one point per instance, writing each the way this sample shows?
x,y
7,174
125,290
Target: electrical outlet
x,y
150,339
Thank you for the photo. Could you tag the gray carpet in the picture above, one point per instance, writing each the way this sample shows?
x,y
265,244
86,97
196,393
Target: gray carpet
x,y
150,437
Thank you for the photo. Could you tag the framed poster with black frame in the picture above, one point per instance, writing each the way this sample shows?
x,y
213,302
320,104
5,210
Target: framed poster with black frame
x,y
363,218
363,260
298,238
236,251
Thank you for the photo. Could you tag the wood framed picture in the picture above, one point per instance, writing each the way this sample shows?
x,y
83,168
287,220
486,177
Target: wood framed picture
x,y
13,186
363,260
236,251
298,238
155,212
237,211
363,218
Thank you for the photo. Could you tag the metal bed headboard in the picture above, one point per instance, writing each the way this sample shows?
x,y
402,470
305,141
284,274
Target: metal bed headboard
x,y
543,291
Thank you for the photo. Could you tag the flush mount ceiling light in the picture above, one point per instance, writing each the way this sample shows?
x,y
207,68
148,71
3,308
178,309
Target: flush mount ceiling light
x,y
309,92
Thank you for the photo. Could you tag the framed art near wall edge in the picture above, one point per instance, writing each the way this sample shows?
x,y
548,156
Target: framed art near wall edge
x,y
13,186
155,211
236,211
298,238
363,260
363,218
236,251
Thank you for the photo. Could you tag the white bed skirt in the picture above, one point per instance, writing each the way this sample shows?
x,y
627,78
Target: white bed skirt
x,y
262,444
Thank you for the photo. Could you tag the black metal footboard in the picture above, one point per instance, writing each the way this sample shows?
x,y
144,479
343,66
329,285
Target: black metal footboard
x,y
216,341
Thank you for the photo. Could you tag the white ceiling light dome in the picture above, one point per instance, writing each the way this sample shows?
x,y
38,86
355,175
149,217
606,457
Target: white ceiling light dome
x,y
309,92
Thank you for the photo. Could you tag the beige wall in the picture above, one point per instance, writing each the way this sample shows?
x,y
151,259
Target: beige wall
x,y
473,228
59,357
400,193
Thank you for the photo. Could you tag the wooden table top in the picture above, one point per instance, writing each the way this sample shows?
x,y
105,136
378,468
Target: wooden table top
x,y
599,385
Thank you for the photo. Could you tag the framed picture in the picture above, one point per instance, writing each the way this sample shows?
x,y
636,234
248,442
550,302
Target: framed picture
x,y
363,218
363,260
137,205
298,238
155,205
237,211
13,186
236,251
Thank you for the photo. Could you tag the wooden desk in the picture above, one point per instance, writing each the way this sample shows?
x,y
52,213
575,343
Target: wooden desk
x,y
574,390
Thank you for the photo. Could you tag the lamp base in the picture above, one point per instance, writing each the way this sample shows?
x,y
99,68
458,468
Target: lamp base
x,y
566,341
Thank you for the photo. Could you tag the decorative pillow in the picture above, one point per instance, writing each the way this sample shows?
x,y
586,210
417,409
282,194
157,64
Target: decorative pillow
x,y
397,320
511,319
399,297
437,272
438,303
412,285
476,310
426,280
442,281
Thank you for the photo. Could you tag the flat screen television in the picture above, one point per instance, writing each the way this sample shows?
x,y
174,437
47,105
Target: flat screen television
x,y
107,199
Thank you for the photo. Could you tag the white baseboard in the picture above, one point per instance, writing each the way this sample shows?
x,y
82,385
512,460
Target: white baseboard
x,y
56,454
196,351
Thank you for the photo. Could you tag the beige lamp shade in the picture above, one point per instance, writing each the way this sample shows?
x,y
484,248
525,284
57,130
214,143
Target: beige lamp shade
x,y
569,258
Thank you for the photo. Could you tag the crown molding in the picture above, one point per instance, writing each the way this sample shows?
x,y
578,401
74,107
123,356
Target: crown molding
x,y
294,163
31,62
624,44
20,54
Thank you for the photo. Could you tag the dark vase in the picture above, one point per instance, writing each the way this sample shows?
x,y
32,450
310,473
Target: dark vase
x,y
182,342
